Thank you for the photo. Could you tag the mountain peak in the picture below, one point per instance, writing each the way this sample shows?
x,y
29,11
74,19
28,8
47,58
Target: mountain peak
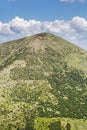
x,y
42,76
42,34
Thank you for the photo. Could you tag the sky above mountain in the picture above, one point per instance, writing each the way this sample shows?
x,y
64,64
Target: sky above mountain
x,y
65,18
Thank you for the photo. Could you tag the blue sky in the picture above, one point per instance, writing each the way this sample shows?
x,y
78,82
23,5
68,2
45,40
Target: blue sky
x,y
66,18
41,9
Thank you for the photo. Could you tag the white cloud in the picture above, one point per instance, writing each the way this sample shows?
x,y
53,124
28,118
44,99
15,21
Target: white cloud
x,y
74,30
71,1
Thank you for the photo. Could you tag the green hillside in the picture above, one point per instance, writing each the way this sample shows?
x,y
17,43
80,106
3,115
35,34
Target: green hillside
x,y
43,84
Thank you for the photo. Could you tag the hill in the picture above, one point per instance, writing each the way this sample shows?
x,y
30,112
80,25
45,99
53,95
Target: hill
x,y
42,77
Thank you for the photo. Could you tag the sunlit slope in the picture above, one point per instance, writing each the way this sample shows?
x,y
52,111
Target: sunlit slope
x,y
41,76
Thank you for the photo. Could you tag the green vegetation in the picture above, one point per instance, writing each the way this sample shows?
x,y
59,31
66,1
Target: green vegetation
x,y
60,124
43,84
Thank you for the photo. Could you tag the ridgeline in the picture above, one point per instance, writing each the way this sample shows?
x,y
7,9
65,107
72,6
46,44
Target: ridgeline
x,y
43,84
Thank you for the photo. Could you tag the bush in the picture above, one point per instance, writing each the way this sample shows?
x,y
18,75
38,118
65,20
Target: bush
x,y
68,126
56,126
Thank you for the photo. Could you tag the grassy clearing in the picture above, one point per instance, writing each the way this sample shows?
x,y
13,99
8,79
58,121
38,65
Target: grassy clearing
x,y
76,124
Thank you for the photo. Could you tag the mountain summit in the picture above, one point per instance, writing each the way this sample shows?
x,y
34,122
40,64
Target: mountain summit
x,y
41,76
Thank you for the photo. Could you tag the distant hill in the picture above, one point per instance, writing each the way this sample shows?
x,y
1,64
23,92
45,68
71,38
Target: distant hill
x,y
41,77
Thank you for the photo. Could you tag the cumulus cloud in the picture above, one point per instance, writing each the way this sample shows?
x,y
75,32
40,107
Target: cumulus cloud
x,y
74,30
71,1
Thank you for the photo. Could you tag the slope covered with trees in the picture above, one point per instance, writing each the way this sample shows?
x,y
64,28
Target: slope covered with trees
x,y
42,77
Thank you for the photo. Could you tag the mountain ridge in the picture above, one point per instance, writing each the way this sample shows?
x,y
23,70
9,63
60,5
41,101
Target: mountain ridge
x,y
41,76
